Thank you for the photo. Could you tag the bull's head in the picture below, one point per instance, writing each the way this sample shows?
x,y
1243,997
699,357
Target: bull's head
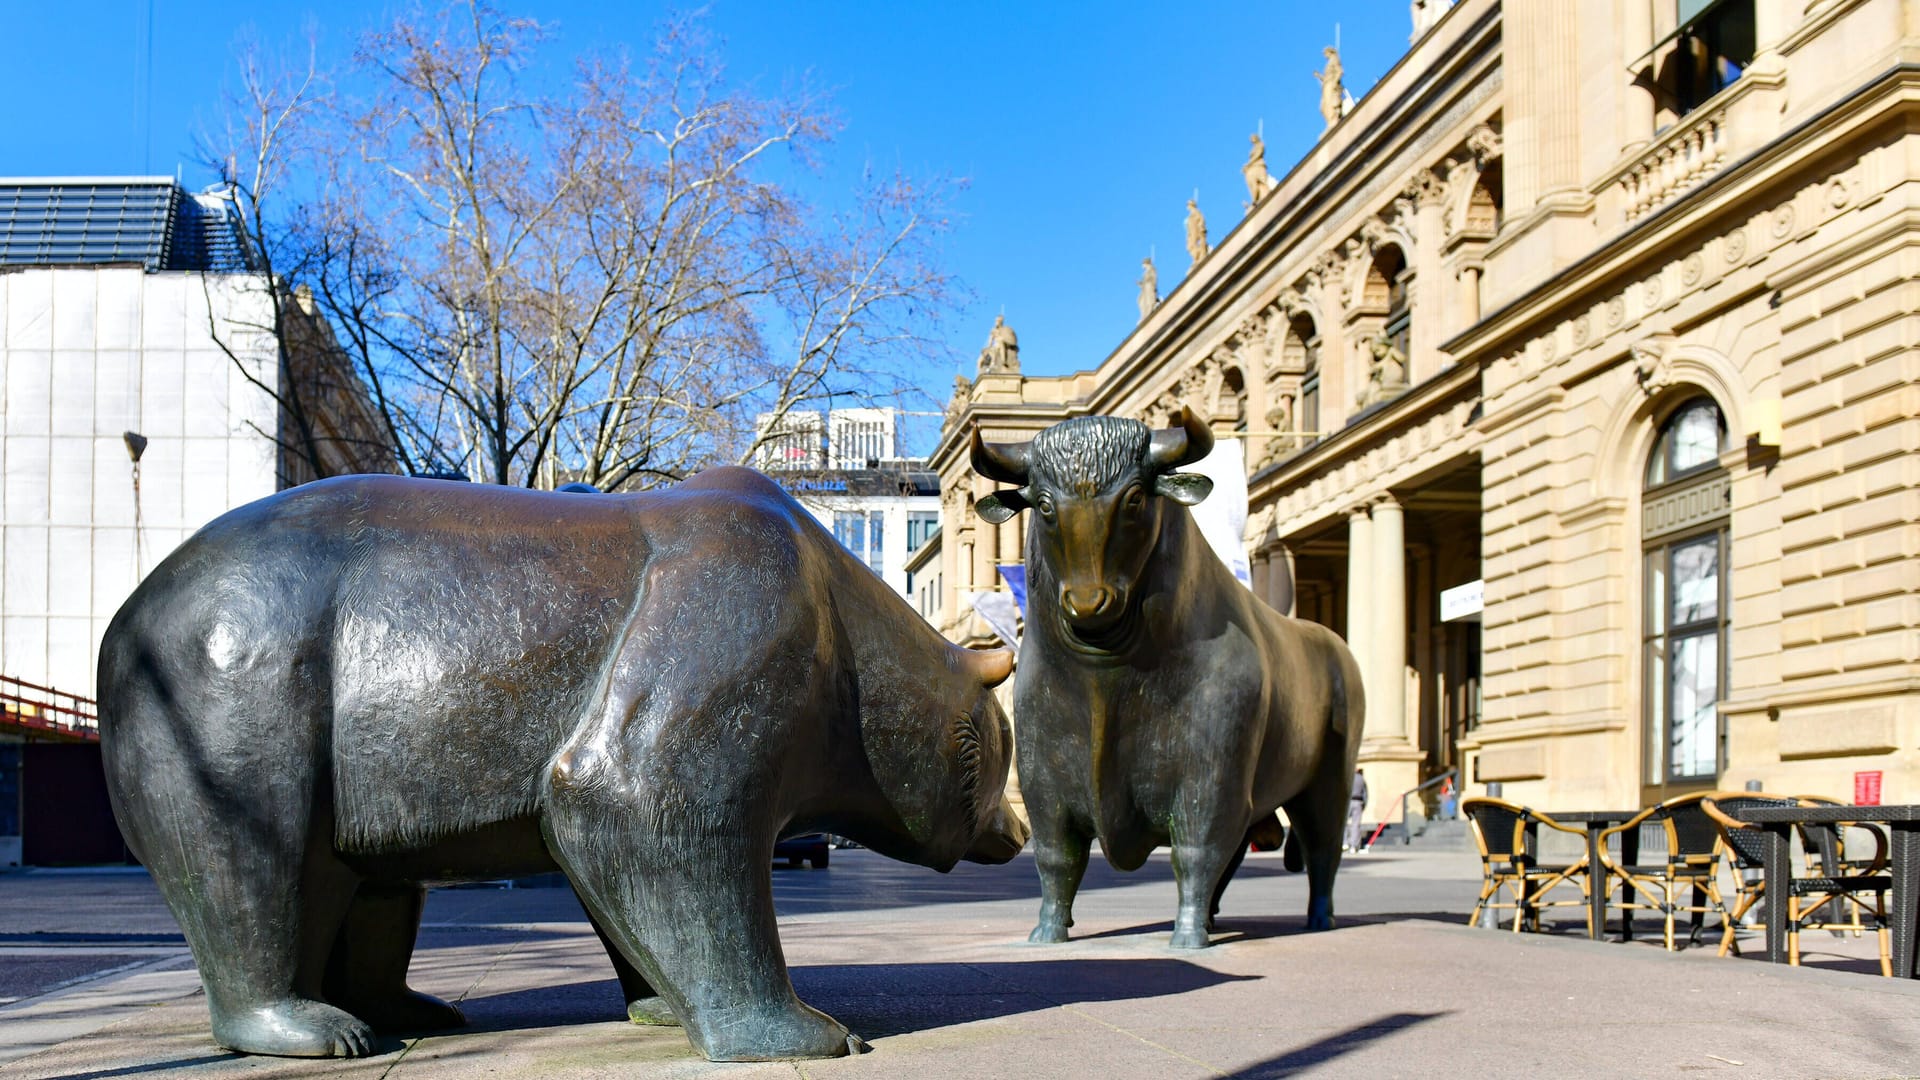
x,y
1096,485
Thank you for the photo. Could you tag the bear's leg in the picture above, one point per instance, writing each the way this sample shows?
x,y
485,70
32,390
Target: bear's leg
x,y
1319,816
1060,855
695,914
644,1003
367,971
1202,853
232,850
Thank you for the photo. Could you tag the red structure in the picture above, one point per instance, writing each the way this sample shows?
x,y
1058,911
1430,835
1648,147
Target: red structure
x,y
53,797
43,712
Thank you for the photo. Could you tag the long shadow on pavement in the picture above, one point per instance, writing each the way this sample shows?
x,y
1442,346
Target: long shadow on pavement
x,y
877,1000
1297,1061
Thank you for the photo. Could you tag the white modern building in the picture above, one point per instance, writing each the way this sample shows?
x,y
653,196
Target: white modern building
x,y
844,466
138,369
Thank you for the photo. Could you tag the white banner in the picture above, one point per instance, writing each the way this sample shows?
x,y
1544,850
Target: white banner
x,y
1222,516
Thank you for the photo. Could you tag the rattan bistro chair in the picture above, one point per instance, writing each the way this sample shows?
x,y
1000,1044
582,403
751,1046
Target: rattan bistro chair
x,y
1810,896
1500,829
1828,855
1691,866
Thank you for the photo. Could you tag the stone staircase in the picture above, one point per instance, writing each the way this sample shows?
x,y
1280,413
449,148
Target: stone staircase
x,y
1428,833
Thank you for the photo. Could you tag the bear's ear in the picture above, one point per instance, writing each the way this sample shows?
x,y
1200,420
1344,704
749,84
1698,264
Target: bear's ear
x,y
990,666
1001,505
1183,488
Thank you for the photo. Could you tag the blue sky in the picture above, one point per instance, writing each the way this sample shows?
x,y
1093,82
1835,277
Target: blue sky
x,y
1080,129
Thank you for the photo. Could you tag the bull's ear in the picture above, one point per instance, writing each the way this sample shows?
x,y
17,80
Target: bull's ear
x,y
1184,488
1001,505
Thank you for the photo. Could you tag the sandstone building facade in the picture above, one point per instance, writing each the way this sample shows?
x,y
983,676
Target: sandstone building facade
x,y
1603,310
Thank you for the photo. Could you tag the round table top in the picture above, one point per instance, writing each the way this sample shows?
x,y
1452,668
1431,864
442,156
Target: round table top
x,y
1590,817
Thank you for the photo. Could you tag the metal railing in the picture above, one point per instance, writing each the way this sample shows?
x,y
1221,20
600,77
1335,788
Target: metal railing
x,y
45,708
1406,830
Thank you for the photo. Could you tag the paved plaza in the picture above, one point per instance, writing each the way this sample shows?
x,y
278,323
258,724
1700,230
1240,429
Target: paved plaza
x,y
933,971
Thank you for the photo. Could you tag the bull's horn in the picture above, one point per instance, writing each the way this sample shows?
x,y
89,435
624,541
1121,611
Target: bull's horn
x,y
1005,462
1185,444
990,666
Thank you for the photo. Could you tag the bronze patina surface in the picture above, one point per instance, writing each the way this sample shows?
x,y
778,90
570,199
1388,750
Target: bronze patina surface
x,y
329,698
1159,702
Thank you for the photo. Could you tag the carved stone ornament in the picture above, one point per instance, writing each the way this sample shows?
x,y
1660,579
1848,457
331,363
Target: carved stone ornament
x,y
1484,143
1653,362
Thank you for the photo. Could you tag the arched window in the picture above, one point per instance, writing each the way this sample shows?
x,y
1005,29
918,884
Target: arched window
x,y
1387,285
1301,331
1684,517
1484,210
1231,403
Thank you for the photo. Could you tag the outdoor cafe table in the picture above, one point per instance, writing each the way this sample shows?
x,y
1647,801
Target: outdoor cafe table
x,y
1903,825
1598,821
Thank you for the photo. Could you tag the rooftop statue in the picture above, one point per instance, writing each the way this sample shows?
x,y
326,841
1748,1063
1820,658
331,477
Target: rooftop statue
x,y
1259,180
1333,93
328,699
1196,231
1002,354
1159,701
1149,288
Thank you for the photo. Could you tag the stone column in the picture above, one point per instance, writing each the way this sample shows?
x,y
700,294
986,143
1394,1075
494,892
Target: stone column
x,y
1540,55
1360,598
1281,591
1636,112
1388,699
1391,762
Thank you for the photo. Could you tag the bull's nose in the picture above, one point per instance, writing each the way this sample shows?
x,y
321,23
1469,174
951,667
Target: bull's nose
x,y
1083,604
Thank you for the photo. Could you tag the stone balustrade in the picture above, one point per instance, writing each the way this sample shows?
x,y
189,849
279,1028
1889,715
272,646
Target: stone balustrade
x,y
1681,157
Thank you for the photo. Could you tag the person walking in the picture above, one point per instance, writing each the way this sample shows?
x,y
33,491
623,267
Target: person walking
x,y
1356,805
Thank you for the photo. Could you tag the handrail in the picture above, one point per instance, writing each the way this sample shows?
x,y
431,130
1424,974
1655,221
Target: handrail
x,y
1406,834
31,705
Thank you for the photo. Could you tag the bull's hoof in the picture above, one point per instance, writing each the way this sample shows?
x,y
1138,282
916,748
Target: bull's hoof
x,y
1191,937
651,1011
294,1028
774,1035
409,1010
1047,933
1319,914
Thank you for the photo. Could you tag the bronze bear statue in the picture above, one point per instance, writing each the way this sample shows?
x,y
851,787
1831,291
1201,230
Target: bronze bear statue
x,y
330,698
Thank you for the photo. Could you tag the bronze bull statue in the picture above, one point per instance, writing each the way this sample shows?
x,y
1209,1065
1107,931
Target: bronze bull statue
x,y
329,698
1158,701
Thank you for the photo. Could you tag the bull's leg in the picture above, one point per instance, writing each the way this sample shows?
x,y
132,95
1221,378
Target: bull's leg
x,y
694,913
1319,816
1202,856
1060,854
367,973
644,1003
234,848
1220,890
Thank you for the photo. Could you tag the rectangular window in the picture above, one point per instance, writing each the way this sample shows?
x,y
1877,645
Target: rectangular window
x,y
922,526
850,528
876,554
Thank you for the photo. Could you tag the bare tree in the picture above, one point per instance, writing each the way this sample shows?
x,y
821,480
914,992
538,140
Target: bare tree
x,y
325,426
602,280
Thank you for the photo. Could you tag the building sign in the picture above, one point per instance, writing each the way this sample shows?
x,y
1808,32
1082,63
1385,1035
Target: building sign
x,y
1462,602
1866,788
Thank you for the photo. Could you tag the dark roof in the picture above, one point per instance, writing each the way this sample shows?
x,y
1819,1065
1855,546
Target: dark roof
x,y
150,220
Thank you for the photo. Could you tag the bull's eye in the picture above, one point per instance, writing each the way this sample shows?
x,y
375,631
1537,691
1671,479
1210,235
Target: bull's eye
x,y
1044,504
1135,501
